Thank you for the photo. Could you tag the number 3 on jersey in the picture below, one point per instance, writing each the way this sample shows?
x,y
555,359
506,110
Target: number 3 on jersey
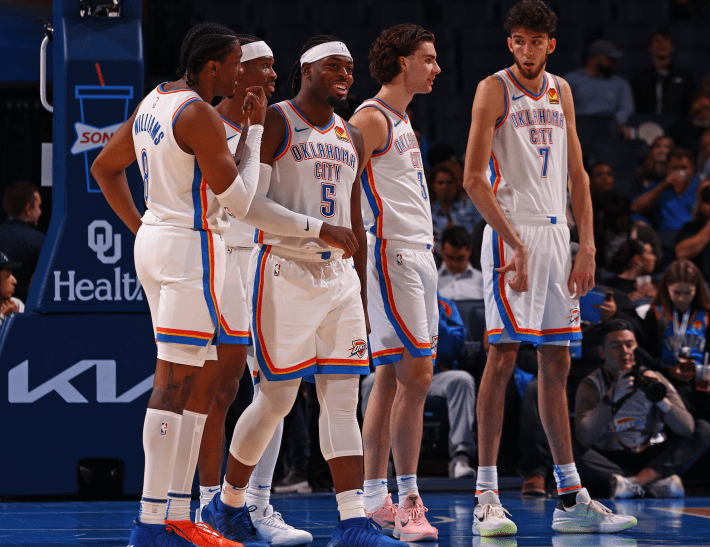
x,y
544,153
327,203
144,161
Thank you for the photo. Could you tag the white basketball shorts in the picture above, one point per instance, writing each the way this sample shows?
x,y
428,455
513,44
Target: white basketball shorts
x,y
546,313
234,320
401,300
306,316
182,273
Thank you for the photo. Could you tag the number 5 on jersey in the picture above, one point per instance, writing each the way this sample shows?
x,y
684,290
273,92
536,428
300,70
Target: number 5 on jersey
x,y
327,203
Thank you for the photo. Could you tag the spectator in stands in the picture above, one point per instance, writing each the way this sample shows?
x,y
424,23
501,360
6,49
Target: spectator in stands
x,y
663,443
662,88
596,90
601,178
8,303
457,387
458,279
669,204
19,238
633,263
693,240
686,133
680,324
450,205
703,170
653,169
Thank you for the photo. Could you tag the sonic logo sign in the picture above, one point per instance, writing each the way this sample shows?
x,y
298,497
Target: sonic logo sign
x,y
19,391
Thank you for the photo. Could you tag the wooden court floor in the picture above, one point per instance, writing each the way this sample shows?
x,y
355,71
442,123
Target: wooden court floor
x,y
684,522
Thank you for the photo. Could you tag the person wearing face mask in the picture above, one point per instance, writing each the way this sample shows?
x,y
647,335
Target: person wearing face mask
x,y
636,435
669,204
680,321
595,88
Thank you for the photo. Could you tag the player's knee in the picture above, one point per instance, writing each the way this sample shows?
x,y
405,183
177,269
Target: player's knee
x,y
226,393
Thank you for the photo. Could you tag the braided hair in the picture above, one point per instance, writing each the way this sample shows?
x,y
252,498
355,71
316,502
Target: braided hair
x,y
204,43
245,39
295,77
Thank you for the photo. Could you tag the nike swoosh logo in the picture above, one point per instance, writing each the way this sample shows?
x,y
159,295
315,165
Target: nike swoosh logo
x,y
297,130
360,493
407,479
267,486
400,121
213,490
518,97
307,223
229,138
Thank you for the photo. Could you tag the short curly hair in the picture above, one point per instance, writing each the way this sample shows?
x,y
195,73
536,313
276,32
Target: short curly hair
x,y
531,15
398,41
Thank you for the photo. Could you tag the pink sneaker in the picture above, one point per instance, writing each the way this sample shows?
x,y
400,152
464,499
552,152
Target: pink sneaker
x,y
410,522
385,515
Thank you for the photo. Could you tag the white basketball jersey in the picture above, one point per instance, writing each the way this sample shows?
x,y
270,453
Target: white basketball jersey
x,y
528,165
239,234
313,174
174,190
395,197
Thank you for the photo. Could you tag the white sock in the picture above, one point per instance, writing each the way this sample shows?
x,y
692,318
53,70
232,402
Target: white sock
x,y
259,494
350,504
180,492
234,496
207,493
375,493
487,479
406,484
567,479
161,435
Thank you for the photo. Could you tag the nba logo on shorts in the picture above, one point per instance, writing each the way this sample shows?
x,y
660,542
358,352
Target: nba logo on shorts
x,y
277,270
400,261
163,428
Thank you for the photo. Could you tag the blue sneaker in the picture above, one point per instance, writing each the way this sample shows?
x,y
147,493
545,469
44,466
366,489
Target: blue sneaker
x,y
360,532
156,535
235,525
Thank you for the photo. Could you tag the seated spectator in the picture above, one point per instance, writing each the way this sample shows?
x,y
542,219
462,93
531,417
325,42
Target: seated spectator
x,y
687,131
680,326
662,88
612,222
653,169
8,303
633,263
450,205
456,386
669,204
693,240
596,91
19,238
703,170
458,279
635,441
601,178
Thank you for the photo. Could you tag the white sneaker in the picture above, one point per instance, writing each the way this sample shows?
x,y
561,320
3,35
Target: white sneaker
x,y
198,514
489,517
459,468
589,516
670,487
272,528
623,488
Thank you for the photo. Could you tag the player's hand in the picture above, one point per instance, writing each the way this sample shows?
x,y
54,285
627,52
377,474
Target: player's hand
x,y
518,264
255,104
340,237
581,279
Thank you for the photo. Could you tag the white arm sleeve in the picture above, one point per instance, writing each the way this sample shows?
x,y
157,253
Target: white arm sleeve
x,y
269,216
237,198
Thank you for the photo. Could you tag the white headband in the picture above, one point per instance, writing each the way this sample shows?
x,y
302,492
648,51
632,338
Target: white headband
x,y
254,50
322,51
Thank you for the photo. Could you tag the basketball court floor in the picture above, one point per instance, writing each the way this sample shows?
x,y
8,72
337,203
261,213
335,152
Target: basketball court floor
x,y
683,522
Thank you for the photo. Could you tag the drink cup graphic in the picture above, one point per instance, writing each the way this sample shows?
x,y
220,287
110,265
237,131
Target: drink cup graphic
x,y
103,109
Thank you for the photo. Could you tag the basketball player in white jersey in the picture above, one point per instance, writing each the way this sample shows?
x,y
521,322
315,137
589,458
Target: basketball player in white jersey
x,y
306,304
402,278
257,62
523,154
190,178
